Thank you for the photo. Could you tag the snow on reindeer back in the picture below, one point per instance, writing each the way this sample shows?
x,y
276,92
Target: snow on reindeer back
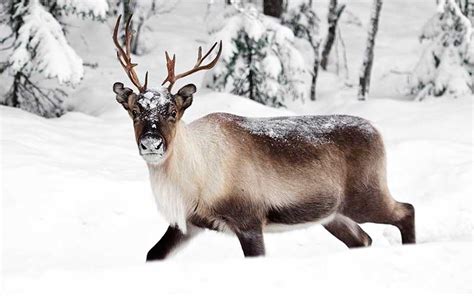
x,y
316,129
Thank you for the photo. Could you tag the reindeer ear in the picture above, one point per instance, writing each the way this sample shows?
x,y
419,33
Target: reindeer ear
x,y
184,97
125,96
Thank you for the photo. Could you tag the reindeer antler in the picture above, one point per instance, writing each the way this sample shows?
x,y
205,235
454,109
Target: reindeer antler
x,y
170,64
124,55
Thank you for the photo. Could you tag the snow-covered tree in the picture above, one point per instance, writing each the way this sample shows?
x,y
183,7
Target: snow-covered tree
x,y
467,8
304,22
447,62
142,11
83,8
258,59
40,47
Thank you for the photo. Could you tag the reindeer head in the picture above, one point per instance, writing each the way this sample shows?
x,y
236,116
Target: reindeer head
x,y
155,112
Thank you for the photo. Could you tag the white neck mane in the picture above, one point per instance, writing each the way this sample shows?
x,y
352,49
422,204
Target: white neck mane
x,y
176,181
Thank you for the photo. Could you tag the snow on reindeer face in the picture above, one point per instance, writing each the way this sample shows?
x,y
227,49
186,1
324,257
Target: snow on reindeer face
x,y
155,113
154,123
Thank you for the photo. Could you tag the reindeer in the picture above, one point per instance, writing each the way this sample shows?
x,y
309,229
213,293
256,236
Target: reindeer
x,y
248,175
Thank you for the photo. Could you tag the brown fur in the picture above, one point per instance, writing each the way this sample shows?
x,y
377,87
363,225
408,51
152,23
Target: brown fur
x,y
229,176
345,176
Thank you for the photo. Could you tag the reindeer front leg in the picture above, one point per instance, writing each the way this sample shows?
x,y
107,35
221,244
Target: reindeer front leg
x,y
251,241
172,238
246,221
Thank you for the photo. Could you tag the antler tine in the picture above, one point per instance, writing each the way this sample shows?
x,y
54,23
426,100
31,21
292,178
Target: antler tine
x,y
124,55
146,81
199,58
170,64
208,52
120,51
198,66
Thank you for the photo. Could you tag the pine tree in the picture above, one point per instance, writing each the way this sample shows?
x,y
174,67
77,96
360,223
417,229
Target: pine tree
x,y
366,69
304,23
258,60
467,8
40,47
447,62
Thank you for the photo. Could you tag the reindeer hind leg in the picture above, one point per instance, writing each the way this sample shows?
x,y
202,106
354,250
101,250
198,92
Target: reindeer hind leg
x,y
348,231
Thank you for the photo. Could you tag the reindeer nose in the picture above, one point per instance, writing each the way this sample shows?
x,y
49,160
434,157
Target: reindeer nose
x,y
150,145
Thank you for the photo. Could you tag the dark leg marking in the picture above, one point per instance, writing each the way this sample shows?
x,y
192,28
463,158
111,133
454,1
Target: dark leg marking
x,y
244,218
251,242
170,240
349,232
401,215
406,224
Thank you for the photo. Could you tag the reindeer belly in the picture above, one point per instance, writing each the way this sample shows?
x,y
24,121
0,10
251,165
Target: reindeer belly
x,y
301,213
282,227
306,211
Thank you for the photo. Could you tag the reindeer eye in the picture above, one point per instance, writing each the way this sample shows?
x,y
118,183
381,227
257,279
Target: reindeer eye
x,y
173,114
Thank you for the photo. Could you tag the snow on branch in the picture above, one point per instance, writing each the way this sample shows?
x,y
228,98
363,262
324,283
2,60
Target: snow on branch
x,y
41,46
96,8
446,65
259,59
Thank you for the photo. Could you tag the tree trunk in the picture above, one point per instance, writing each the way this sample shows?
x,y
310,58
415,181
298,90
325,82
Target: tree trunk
x,y
469,7
314,75
313,80
136,37
16,21
128,10
273,7
250,77
12,98
364,78
334,14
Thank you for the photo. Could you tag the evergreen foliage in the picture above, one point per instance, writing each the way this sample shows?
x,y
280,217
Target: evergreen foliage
x,y
39,48
447,63
259,60
304,22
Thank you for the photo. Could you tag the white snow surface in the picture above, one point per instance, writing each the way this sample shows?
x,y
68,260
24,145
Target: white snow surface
x,y
79,217
78,211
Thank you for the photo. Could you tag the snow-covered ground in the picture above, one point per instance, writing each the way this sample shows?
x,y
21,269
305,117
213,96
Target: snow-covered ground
x,y
78,216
